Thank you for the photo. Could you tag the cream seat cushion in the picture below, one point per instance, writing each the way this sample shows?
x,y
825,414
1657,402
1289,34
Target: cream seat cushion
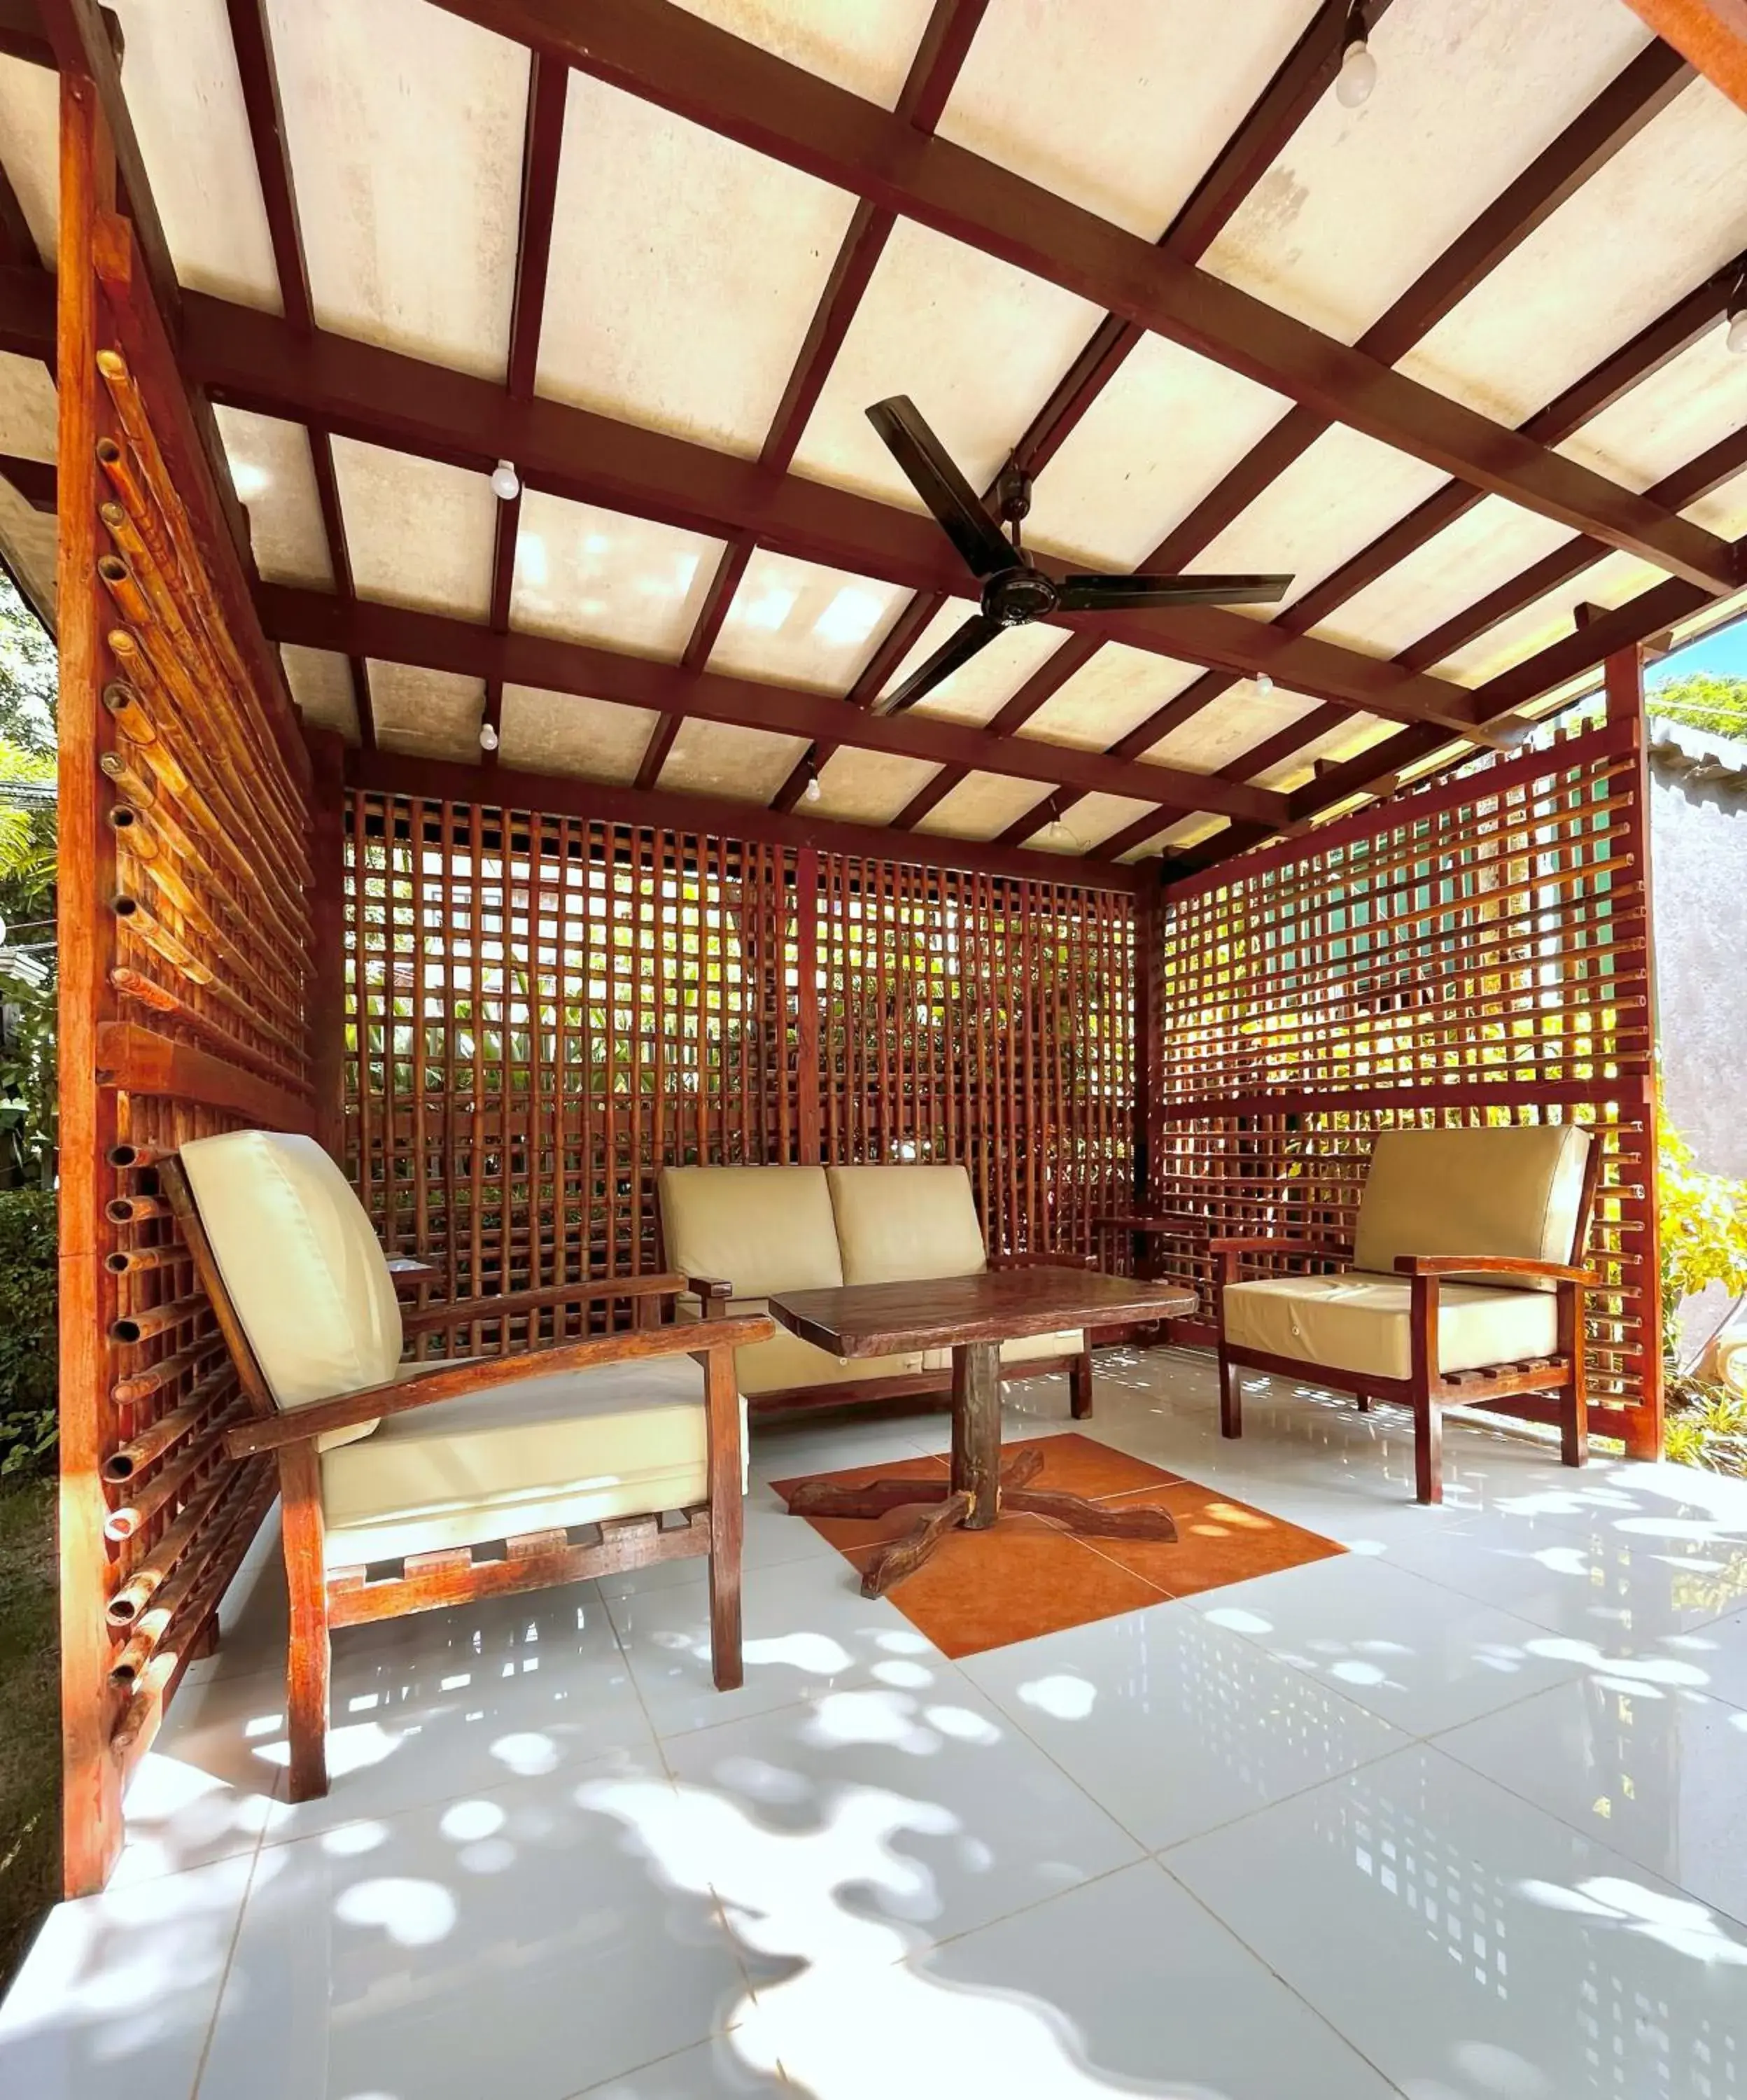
x,y
301,1263
761,1229
617,1439
1360,1322
1514,1191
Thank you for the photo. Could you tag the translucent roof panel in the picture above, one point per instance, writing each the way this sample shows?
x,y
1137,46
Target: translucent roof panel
x,y
867,786
275,479
983,687
419,533
543,732
1239,720
405,124
187,103
1111,694
1186,831
867,50
1668,418
799,624
977,345
427,714
1121,108
685,272
1357,733
1088,824
1611,581
1361,201
1332,501
1658,219
717,758
1455,569
321,684
597,576
30,146
1165,430
29,413
982,806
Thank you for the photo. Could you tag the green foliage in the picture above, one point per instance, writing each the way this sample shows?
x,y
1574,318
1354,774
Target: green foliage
x,y
1703,702
26,1327
1704,1230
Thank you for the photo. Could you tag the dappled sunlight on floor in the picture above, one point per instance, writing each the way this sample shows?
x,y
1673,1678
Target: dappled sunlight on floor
x,y
1457,1813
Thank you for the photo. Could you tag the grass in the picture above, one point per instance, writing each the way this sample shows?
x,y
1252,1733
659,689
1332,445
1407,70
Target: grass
x,y
30,1705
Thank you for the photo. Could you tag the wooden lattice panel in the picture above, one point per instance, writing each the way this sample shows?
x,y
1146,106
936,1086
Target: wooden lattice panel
x,y
544,1010
1477,953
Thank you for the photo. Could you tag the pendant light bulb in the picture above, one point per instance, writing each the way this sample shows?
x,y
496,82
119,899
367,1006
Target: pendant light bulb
x,y
1736,338
1358,76
487,737
1265,683
812,791
506,483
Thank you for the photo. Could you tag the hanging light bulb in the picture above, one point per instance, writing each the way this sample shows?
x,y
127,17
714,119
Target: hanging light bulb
x,y
812,791
1264,683
506,483
487,737
1358,69
1736,338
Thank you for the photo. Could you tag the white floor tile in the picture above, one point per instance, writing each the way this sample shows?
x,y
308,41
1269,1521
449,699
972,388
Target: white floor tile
x,y
1123,1986
1473,1948
807,1630
1720,1650
1419,1654
1174,1725
117,1994
526,1942
1657,1770
714,2070
917,1807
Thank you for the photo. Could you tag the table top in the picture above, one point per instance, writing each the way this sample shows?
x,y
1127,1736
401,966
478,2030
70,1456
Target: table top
x,y
1000,1305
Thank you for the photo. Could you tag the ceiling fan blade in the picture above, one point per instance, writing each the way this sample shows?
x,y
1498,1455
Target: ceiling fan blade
x,y
960,645
928,468
1120,593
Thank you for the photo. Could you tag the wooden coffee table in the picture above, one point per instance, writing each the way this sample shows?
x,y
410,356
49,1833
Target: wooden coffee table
x,y
972,1315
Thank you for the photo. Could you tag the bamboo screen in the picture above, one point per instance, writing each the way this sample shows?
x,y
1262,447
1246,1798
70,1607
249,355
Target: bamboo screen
x,y
184,960
1476,953
544,1010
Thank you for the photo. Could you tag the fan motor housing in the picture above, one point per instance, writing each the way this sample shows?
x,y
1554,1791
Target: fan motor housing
x,y
1012,597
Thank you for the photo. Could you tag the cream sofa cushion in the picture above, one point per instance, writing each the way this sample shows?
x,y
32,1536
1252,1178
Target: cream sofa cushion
x,y
761,1229
303,1265
1511,1191
905,1224
616,1439
1360,1322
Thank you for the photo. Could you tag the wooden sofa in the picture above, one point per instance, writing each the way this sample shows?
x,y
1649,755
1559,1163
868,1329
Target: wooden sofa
x,y
1463,1287
738,1233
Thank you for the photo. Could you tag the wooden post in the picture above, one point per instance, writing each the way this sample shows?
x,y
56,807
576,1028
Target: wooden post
x,y
91,1777
1641,1213
976,1430
810,1076
327,1007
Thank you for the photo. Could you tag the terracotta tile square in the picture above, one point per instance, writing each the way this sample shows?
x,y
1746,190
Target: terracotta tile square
x,y
1219,1541
984,1590
1076,1465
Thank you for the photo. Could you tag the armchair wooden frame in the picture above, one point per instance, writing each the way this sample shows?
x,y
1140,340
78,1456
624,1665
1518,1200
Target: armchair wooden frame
x,y
715,1293
1559,1382
322,1599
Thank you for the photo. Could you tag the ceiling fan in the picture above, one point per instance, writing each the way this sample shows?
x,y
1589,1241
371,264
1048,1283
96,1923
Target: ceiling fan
x,y
1015,590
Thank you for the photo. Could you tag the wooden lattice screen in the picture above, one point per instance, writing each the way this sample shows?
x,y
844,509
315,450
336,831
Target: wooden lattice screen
x,y
542,1010
1474,953
184,940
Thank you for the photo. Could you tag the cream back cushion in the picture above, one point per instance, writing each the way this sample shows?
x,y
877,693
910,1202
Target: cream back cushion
x,y
1495,1192
761,1229
310,1283
905,1224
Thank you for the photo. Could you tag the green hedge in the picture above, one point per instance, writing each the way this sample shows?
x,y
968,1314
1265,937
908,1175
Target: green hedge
x,y
28,1344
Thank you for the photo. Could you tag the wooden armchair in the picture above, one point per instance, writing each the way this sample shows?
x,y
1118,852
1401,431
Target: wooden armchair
x,y
471,1478
1463,1287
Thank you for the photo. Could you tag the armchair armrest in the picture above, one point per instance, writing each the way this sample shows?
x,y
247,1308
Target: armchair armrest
x,y
1042,1261
1493,1264
450,1381
510,1304
715,1292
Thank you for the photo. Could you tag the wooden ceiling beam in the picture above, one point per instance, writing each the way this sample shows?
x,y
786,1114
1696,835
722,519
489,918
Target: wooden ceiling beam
x,y
317,620
1643,89
945,40
665,54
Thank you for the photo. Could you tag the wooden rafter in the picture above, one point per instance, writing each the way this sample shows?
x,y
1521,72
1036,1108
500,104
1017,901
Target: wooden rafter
x,y
665,54
941,52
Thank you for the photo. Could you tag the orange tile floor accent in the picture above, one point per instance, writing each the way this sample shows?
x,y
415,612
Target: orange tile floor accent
x,y
984,1590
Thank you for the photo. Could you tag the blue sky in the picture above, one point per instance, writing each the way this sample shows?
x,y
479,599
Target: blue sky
x,y
1723,654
